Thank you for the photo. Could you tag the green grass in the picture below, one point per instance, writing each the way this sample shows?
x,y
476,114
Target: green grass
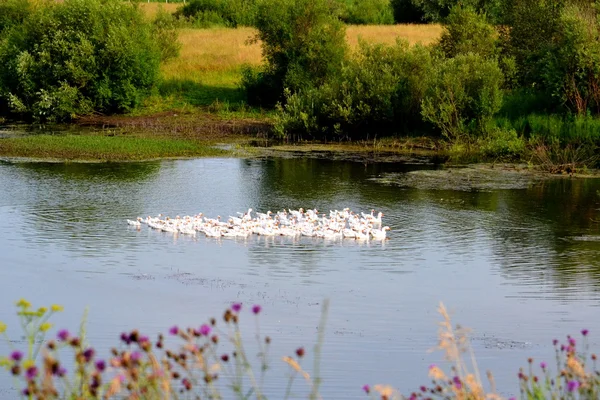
x,y
103,147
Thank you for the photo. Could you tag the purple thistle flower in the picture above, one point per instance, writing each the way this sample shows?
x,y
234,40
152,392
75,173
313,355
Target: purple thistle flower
x,y
61,371
555,342
256,309
88,354
63,335
432,366
16,356
236,307
136,356
584,332
31,373
543,365
457,382
125,338
174,330
25,392
572,342
572,386
366,388
143,339
423,389
100,365
205,330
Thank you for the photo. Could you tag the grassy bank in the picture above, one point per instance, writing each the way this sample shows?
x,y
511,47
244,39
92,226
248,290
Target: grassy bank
x,y
104,147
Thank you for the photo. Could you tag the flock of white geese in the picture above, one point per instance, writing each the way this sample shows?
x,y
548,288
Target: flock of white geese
x,y
292,223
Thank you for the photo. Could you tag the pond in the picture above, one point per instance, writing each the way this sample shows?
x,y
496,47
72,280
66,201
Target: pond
x,y
520,266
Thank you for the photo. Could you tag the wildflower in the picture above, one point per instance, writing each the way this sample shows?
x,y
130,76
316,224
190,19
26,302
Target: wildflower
x,y
584,332
236,307
136,356
88,354
555,342
125,338
23,303
225,357
572,386
16,356
256,309
572,342
31,373
61,371
63,335
543,365
423,389
205,330
100,365
45,326
300,352
457,382
56,308
2,327
366,388
174,330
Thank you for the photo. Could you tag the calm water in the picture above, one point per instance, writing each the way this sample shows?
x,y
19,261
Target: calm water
x,y
518,266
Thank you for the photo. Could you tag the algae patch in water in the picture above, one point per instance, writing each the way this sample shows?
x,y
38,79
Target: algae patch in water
x,y
479,177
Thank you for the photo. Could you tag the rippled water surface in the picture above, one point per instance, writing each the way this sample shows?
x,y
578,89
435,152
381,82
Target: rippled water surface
x,y
520,267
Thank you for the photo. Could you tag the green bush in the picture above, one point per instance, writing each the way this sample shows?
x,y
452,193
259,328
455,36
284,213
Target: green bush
x,y
13,12
165,31
377,93
303,43
439,10
571,67
230,13
405,11
71,58
502,143
465,96
367,12
466,31
532,27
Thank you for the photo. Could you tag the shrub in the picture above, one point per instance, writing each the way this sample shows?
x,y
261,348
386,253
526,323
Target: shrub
x,y
466,31
465,96
438,10
303,43
502,143
363,12
378,92
532,26
405,11
571,67
71,58
231,13
165,32
13,12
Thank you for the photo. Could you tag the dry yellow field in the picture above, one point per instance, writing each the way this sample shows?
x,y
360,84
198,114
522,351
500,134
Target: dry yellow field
x,y
216,50
151,9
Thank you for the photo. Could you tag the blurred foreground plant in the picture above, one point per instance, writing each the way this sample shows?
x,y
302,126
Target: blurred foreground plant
x,y
144,369
576,376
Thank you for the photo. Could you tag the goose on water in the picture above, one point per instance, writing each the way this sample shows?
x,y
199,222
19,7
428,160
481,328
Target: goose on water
x,y
290,223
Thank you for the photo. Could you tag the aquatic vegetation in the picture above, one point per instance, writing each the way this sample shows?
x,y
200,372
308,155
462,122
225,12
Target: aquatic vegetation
x,y
292,223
